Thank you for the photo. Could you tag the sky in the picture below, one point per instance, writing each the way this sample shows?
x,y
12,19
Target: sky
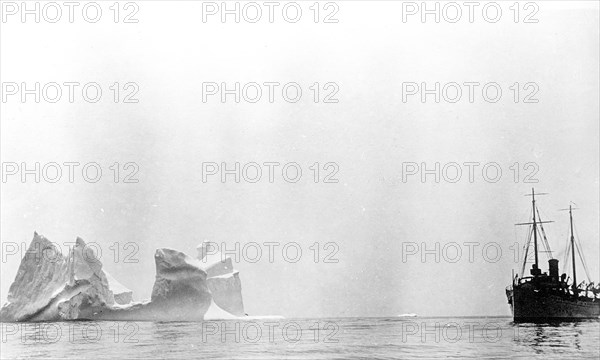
x,y
370,227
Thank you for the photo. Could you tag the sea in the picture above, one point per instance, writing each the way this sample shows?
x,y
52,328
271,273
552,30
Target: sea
x,y
319,338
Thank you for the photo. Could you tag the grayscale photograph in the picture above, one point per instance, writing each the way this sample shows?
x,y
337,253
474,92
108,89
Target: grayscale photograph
x,y
309,179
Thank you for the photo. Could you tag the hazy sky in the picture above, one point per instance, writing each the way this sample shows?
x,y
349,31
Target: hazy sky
x,y
370,214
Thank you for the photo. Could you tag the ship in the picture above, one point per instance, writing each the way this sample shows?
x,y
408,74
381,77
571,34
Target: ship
x,y
548,297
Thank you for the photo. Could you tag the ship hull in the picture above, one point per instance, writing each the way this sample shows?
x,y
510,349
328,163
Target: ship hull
x,y
528,305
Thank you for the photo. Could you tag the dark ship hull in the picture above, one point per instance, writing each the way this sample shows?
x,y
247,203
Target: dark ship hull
x,y
530,305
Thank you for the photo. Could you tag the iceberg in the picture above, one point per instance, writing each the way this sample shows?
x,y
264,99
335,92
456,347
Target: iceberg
x,y
51,287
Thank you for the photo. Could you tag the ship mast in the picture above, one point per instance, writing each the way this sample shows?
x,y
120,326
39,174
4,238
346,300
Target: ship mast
x,y
574,286
536,222
535,243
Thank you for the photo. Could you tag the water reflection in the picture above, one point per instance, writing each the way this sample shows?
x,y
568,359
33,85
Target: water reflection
x,y
169,331
339,338
551,337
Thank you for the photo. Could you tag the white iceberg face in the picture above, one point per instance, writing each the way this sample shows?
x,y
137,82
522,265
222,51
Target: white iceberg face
x,y
227,293
223,280
216,313
122,295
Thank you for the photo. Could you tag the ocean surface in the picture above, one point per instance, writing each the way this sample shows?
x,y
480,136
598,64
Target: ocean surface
x,y
322,338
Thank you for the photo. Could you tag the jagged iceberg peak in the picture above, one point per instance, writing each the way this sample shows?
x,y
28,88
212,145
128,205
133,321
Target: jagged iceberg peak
x,y
39,239
41,247
86,265
204,248
42,274
84,262
50,286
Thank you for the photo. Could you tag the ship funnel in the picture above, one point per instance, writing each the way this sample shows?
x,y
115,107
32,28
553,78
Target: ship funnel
x,y
553,266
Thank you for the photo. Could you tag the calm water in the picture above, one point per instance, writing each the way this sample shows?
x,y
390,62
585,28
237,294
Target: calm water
x,y
339,338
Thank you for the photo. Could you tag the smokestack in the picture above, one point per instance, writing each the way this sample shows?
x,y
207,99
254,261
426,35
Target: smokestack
x,y
553,266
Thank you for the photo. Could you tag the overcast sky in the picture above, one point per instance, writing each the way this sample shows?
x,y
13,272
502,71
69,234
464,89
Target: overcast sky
x,y
370,214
